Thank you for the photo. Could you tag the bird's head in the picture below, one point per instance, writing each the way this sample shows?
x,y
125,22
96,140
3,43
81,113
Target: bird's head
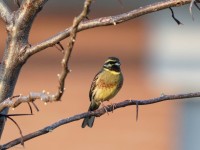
x,y
112,64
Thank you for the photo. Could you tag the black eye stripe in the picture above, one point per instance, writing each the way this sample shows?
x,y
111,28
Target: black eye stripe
x,y
110,62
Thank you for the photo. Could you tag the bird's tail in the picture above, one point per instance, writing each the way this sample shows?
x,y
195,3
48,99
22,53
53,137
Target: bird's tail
x,y
88,121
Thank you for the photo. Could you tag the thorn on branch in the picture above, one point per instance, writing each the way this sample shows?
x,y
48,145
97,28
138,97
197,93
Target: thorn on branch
x,y
137,110
173,16
60,48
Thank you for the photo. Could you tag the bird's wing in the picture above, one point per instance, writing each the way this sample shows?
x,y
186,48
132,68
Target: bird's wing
x,y
93,85
121,83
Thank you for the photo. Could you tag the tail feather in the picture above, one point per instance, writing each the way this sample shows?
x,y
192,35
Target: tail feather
x,y
88,121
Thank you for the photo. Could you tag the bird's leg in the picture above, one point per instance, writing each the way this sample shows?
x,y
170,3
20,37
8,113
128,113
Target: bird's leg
x,y
104,107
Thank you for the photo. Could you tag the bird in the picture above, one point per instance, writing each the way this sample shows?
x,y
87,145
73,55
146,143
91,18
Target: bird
x,y
105,85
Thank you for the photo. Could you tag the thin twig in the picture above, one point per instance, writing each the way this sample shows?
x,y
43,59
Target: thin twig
x,y
20,131
65,69
31,110
35,106
98,113
59,43
16,115
60,48
173,16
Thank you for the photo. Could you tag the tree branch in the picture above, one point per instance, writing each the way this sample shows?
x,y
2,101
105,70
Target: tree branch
x,y
5,12
105,21
16,101
67,53
97,113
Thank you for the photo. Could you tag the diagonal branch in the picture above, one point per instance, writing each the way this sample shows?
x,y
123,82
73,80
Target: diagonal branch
x,y
97,113
67,54
5,12
105,21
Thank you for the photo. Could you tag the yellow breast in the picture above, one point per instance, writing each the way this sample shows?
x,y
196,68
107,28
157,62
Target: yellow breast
x,y
107,86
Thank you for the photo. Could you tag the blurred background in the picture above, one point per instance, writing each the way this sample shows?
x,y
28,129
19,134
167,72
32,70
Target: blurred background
x,y
157,56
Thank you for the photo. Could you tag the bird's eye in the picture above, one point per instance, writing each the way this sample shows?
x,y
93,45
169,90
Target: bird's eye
x,y
117,64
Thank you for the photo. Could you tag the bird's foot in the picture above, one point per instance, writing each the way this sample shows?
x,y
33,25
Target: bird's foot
x,y
105,108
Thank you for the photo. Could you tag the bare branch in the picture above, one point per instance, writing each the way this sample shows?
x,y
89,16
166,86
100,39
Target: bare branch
x,y
20,131
67,54
105,21
97,113
5,12
12,103
173,16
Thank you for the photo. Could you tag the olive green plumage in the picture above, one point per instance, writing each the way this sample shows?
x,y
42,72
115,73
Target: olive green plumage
x,y
105,86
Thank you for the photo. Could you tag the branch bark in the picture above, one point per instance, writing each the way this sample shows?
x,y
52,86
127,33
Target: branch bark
x,y
105,21
97,113
5,12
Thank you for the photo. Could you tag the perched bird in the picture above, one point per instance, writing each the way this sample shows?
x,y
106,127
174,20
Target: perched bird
x,y
105,86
